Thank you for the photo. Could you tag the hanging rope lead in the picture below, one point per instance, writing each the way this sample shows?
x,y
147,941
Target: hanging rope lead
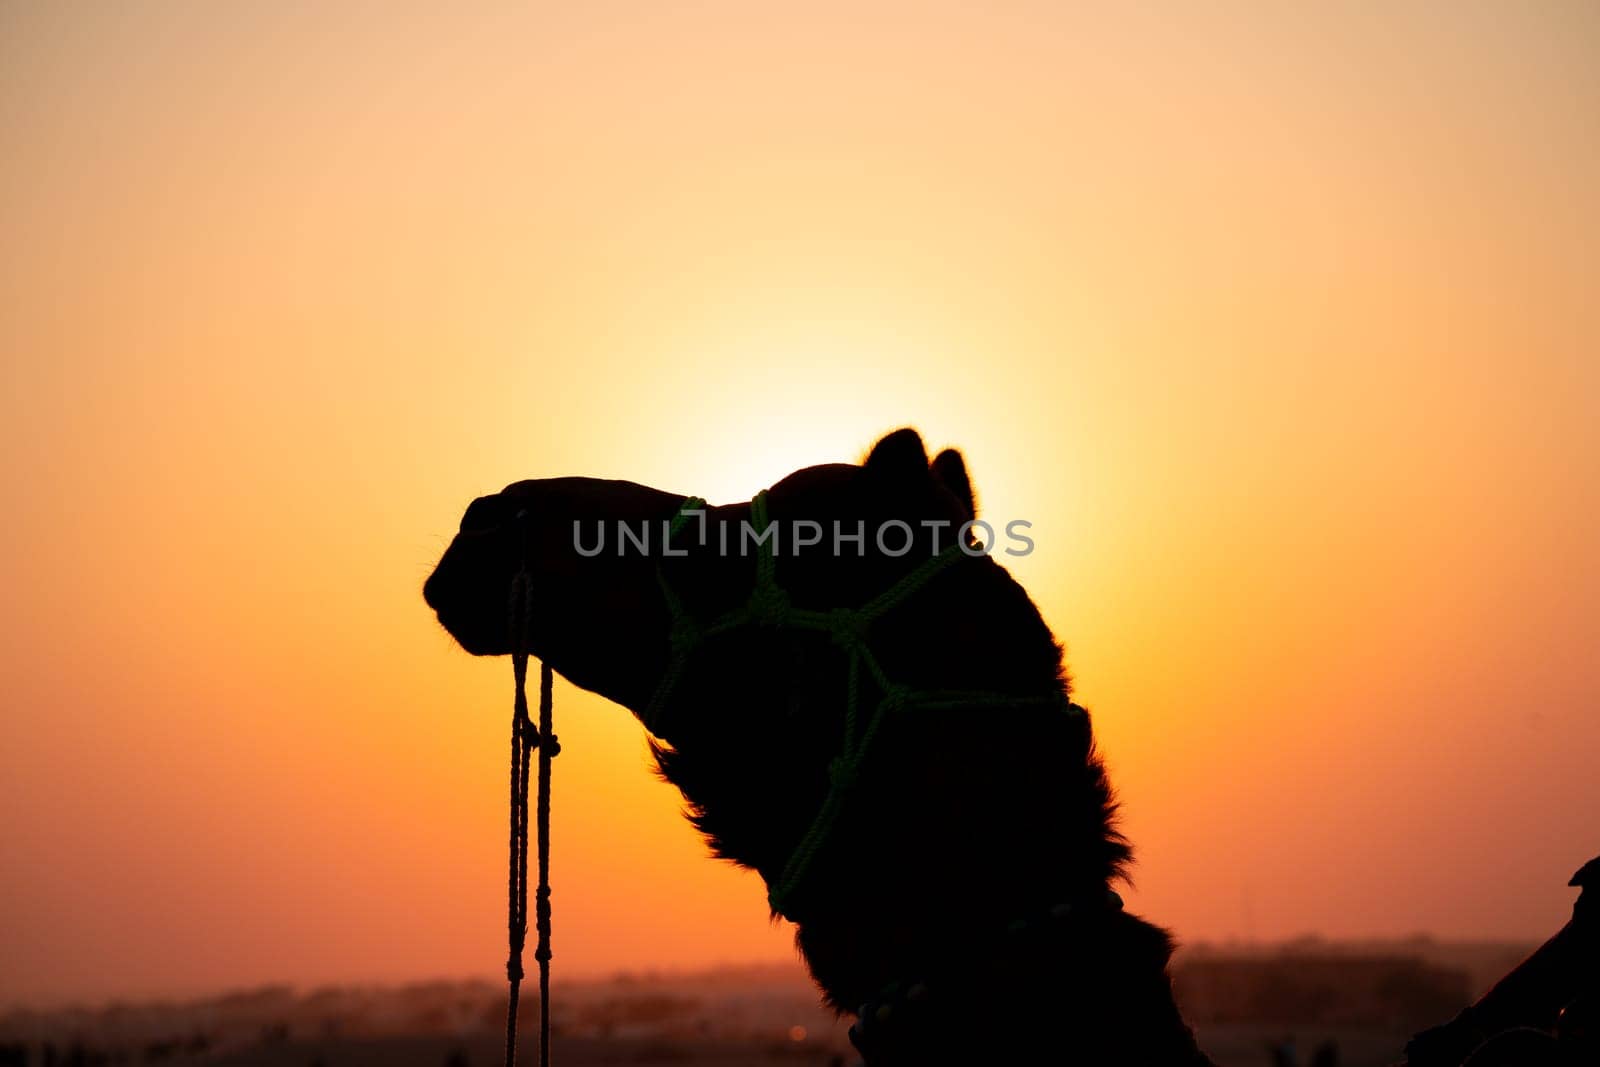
x,y
549,747
525,737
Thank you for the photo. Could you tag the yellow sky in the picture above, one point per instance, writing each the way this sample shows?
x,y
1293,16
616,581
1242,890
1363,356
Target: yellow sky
x,y
1280,328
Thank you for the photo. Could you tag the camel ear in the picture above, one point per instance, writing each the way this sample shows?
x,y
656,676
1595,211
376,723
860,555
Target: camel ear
x,y
899,455
950,471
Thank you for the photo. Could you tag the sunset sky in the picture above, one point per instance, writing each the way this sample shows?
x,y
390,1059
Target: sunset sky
x,y
1281,327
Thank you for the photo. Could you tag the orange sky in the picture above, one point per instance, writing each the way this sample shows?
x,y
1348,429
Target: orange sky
x,y
1280,327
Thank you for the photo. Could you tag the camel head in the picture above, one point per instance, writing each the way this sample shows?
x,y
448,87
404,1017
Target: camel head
x,y
750,718
596,559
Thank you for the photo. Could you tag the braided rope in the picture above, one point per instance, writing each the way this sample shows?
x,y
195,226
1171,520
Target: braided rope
x,y
525,737
689,506
769,605
549,748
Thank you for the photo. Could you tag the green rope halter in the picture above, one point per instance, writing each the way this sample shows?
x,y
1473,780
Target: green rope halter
x,y
769,605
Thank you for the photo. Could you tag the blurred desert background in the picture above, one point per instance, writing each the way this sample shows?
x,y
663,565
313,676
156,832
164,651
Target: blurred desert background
x,y
1351,1003
1278,322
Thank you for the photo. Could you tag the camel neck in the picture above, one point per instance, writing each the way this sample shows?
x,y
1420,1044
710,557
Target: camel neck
x,y
1086,984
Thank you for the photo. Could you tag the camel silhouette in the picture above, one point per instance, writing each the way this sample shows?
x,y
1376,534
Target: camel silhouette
x,y
867,710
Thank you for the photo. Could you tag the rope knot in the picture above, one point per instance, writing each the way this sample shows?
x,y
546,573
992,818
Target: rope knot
x,y
769,604
848,628
551,745
842,773
895,698
684,635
